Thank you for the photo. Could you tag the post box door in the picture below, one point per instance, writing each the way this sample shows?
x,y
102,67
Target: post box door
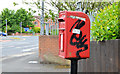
x,y
77,34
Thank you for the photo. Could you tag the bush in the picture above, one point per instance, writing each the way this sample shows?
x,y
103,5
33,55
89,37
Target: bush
x,y
36,29
31,31
105,26
23,30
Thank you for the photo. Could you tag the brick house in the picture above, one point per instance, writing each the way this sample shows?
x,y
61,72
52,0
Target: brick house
x,y
37,22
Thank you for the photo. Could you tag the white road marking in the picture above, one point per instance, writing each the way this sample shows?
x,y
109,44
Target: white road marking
x,y
22,46
18,47
11,46
17,55
33,62
27,46
30,49
26,50
30,45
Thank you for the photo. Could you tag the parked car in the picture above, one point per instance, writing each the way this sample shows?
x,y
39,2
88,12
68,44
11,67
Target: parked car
x,y
3,34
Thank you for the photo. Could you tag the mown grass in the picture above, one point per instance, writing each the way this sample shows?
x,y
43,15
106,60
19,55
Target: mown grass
x,y
15,38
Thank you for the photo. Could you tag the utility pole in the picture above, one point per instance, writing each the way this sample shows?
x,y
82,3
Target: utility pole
x,y
21,27
6,26
42,19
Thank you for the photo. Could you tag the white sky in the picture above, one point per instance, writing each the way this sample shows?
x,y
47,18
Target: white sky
x,y
9,4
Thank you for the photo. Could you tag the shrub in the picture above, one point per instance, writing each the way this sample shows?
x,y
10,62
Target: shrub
x,y
31,31
36,29
105,26
23,30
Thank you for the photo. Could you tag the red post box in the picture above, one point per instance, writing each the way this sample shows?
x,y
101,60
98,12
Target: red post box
x,y
74,35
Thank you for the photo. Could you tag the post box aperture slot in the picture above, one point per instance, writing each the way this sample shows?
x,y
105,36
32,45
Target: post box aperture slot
x,y
61,19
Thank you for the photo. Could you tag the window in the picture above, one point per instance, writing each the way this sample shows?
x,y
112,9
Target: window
x,y
36,23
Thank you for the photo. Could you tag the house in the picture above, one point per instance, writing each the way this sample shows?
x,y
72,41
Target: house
x,y
37,22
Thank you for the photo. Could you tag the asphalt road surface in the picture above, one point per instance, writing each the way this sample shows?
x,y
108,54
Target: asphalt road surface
x,y
21,55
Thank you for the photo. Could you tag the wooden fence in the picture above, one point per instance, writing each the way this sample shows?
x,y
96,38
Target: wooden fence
x,y
103,57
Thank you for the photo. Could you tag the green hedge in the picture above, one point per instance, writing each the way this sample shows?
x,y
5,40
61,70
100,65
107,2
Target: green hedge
x,y
105,26
36,29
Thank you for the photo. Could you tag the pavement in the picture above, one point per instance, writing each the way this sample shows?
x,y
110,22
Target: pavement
x,y
21,55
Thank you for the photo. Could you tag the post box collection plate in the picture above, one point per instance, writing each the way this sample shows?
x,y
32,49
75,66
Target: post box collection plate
x,y
74,35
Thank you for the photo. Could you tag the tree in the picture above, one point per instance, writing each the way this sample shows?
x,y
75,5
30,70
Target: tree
x,y
25,17
7,14
50,13
14,19
0,22
62,5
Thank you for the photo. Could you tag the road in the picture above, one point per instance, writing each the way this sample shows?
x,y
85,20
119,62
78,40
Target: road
x,y
21,55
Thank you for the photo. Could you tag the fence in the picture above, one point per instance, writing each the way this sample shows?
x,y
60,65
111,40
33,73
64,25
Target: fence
x,y
52,28
103,57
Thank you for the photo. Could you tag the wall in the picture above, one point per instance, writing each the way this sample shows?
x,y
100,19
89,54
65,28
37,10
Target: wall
x,y
103,55
48,50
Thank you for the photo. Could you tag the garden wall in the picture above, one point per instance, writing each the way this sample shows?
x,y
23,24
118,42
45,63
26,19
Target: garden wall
x,y
48,50
103,55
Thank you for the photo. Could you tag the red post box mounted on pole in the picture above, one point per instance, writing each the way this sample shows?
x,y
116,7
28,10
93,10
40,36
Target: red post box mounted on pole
x,y
74,35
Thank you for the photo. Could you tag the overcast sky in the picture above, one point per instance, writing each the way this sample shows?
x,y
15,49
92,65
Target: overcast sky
x,y
9,4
